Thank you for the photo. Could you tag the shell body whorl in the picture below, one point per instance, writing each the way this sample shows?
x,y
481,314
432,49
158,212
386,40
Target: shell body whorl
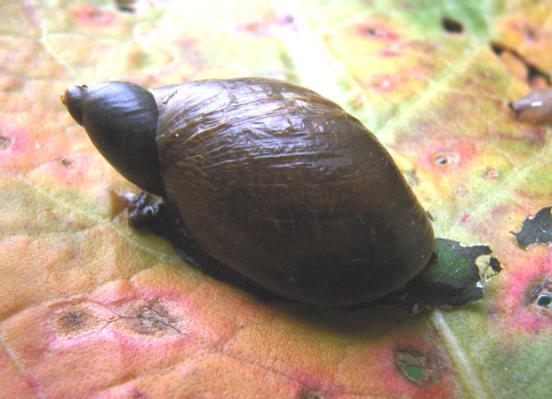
x,y
282,185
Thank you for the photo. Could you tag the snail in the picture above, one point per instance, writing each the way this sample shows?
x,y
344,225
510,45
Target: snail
x,y
536,107
268,179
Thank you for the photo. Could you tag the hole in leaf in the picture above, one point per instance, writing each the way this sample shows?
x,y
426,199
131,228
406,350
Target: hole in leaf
x,y
415,373
539,296
446,159
544,300
451,25
417,367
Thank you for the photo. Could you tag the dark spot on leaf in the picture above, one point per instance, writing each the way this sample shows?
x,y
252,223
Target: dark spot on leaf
x,y
494,264
72,319
5,142
376,31
125,5
533,71
451,25
497,48
536,229
150,319
418,367
446,159
66,162
311,393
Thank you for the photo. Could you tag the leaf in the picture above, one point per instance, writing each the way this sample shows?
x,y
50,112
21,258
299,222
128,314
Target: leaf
x,y
452,278
92,307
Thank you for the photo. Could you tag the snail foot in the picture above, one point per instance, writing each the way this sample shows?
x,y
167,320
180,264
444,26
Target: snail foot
x,y
145,210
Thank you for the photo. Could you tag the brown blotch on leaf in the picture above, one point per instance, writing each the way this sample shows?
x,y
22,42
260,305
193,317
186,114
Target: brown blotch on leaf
x,y
66,162
311,393
150,319
418,367
5,143
72,320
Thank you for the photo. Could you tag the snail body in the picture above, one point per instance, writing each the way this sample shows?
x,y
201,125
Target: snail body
x,y
536,107
270,180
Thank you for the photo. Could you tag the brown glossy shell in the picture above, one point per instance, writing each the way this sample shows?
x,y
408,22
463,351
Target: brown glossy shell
x,y
283,186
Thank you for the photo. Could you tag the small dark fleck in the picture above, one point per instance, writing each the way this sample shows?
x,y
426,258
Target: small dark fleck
x,y
448,158
72,319
417,367
451,25
536,229
497,48
5,142
311,393
126,5
66,162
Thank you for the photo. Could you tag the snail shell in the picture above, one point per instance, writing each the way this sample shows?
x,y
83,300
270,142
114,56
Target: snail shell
x,y
269,179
